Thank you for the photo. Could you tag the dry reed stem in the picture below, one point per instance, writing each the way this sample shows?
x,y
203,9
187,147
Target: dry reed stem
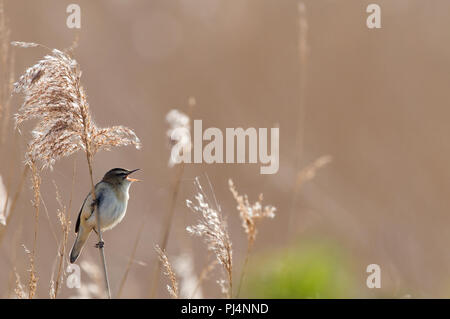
x,y
204,275
99,230
250,215
179,131
65,225
166,228
50,224
32,283
14,243
173,287
7,76
304,175
130,261
36,185
303,51
244,268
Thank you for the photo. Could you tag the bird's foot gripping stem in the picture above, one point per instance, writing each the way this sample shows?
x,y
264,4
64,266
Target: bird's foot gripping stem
x,y
100,244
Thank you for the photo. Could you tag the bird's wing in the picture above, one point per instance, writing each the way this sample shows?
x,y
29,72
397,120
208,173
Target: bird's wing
x,y
77,225
88,204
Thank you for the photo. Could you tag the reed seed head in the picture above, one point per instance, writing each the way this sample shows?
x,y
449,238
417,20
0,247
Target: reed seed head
x,y
214,231
53,95
173,287
250,214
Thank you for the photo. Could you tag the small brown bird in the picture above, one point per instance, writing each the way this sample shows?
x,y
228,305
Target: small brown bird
x,y
111,199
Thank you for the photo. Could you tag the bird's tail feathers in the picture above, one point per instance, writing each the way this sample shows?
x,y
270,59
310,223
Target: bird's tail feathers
x,y
82,236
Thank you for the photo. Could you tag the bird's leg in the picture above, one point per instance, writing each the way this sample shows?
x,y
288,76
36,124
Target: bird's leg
x,y
95,203
100,244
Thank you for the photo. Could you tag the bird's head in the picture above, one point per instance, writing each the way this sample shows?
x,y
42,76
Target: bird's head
x,y
119,177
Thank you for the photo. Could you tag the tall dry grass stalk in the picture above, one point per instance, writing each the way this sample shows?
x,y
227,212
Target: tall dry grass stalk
x,y
64,221
179,133
303,176
250,215
6,74
214,231
131,260
167,226
36,185
32,282
173,287
13,253
207,269
53,95
303,52
307,173
7,63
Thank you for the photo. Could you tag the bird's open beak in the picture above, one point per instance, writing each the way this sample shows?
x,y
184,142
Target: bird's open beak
x,y
133,179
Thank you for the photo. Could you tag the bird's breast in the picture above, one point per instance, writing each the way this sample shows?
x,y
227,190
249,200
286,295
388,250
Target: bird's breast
x,y
112,209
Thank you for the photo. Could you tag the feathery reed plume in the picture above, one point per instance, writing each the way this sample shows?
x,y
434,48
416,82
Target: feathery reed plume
x,y
54,95
214,231
180,138
184,268
173,287
250,215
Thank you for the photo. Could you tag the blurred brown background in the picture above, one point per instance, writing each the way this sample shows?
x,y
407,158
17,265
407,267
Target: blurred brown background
x,y
375,100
